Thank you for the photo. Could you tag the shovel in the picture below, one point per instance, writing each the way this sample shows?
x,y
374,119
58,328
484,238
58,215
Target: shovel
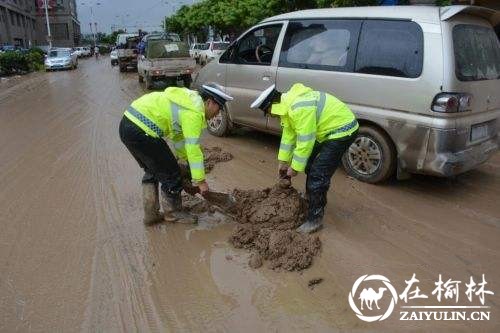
x,y
222,200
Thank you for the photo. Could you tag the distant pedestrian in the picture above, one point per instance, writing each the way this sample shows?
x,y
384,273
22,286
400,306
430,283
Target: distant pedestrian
x,y
96,51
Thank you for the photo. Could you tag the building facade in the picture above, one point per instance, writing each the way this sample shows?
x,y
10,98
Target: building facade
x,y
18,23
64,24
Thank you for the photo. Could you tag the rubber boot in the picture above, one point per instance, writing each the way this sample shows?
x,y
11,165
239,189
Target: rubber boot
x,y
151,204
310,226
172,208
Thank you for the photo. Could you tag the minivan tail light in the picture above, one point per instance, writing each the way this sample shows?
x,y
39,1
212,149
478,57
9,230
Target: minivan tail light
x,y
451,102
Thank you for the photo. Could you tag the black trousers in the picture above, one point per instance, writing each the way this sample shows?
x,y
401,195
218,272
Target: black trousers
x,y
324,160
154,156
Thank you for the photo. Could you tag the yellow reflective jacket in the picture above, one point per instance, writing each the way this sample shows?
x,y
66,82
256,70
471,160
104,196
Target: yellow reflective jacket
x,y
178,114
308,116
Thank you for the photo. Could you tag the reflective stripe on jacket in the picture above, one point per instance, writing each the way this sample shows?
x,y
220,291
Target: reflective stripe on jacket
x,y
308,116
178,114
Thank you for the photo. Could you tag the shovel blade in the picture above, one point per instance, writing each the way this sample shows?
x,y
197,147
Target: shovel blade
x,y
223,200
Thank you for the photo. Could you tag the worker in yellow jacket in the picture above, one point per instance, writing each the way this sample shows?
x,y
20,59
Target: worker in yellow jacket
x,y
317,130
178,114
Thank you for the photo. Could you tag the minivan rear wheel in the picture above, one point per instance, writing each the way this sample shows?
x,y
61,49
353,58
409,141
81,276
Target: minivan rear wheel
x,y
372,156
220,125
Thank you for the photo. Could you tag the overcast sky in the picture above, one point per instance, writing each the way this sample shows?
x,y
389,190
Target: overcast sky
x,y
134,14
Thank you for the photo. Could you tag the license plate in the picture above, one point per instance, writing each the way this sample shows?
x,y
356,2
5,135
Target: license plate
x,y
479,131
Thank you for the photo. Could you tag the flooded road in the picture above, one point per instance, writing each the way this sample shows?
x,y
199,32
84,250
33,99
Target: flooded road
x,y
74,255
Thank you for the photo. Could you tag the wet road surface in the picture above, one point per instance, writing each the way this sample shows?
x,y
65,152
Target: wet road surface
x,y
74,255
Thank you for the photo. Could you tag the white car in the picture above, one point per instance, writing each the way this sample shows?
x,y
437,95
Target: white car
x,y
82,51
61,59
213,50
195,50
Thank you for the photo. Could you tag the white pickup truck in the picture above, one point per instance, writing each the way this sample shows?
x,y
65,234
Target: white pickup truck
x,y
126,46
167,61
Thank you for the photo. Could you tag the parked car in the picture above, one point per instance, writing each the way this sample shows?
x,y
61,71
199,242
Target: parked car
x,y
423,81
213,50
61,58
82,51
166,61
194,51
6,48
114,57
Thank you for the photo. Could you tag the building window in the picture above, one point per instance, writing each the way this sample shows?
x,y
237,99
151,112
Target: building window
x,y
60,30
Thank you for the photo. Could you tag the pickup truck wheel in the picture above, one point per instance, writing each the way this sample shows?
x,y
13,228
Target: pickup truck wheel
x,y
220,125
187,81
372,156
149,82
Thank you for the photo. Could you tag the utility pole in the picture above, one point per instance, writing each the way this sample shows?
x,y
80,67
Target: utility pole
x,y
49,36
92,16
96,32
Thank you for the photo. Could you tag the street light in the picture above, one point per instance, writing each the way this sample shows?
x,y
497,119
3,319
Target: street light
x,y
92,19
49,35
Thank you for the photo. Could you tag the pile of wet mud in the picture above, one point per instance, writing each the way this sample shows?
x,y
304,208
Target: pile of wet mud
x,y
267,220
214,155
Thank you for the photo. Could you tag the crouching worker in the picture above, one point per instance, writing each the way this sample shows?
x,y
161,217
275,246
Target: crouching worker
x,y
317,130
178,114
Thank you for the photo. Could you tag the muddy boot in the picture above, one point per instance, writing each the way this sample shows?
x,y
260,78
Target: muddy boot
x,y
172,207
310,226
151,204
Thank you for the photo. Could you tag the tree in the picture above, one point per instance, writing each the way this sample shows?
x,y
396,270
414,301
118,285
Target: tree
x,y
354,3
111,38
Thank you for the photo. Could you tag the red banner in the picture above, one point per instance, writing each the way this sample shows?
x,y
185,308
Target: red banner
x,y
40,5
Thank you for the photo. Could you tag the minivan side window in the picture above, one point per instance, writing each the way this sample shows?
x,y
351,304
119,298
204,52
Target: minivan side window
x,y
320,44
391,48
255,48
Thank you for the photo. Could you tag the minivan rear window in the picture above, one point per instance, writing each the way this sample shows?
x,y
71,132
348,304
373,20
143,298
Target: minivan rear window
x,y
477,53
390,48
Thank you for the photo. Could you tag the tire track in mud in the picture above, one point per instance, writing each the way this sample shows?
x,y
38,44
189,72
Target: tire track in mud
x,y
119,298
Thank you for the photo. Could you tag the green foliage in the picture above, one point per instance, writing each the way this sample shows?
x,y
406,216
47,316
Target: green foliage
x,y
111,38
229,16
16,62
354,3
443,2
324,3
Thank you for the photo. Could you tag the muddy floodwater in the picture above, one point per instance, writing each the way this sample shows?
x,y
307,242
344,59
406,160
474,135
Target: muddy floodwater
x,y
74,255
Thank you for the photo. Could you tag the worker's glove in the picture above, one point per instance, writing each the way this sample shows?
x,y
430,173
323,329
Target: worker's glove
x,y
203,187
282,169
291,173
189,188
185,171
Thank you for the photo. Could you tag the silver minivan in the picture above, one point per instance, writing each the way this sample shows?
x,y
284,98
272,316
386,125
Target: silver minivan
x,y
423,81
